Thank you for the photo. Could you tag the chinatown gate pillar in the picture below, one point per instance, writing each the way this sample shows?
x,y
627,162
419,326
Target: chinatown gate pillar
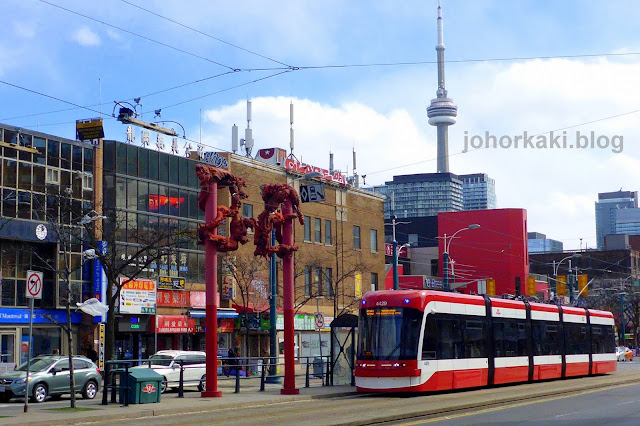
x,y
211,313
288,299
211,179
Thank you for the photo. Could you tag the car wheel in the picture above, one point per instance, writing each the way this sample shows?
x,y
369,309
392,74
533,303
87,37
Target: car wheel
x,y
164,386
90,390
39,393
202,386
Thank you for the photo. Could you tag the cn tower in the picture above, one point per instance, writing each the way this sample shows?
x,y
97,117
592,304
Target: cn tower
x,y
442,112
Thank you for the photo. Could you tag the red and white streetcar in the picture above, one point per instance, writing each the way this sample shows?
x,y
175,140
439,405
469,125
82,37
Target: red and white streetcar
x,y
421,340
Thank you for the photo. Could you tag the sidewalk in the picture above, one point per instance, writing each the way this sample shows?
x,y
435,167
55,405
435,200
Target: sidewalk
x,y
192,403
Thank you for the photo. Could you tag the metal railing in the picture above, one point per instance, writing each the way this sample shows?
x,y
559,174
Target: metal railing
x,y
239,370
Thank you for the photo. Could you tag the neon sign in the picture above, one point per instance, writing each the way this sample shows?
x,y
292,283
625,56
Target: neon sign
x,y
295,165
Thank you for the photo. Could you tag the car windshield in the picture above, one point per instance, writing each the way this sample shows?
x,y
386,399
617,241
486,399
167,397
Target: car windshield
x,y
38,364
158,359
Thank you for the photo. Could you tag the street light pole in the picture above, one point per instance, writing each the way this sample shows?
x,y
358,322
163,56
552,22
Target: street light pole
x,y
445,254
556,267
396,279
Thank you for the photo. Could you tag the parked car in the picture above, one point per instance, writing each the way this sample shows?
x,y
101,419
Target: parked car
x,y
49,376
167,363
620,353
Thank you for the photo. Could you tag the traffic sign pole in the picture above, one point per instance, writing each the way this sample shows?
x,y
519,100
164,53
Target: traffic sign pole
x,y
33,291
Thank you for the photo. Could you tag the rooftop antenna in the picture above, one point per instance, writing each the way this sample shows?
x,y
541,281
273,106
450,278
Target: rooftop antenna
x,y
248,133
291,140
234,138
356,181
330,162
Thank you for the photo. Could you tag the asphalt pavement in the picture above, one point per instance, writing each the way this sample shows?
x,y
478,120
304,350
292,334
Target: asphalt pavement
x,y
317,404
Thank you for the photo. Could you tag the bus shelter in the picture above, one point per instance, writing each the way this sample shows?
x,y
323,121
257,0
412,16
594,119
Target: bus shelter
x,y
343,349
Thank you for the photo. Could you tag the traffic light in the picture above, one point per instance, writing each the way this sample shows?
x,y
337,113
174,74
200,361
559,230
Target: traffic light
x,y
491,287
583,281
531,286
561,285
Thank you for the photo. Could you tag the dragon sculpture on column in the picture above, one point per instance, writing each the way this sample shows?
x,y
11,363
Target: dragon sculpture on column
x,y
272,218
238,225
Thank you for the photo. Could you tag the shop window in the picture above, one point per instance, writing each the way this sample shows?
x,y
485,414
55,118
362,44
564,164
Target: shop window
x,y
8,292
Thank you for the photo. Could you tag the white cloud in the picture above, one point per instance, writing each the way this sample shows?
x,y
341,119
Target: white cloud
x,y
24,29
86,37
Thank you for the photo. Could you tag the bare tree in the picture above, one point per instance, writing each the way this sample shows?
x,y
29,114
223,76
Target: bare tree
x,y
249,274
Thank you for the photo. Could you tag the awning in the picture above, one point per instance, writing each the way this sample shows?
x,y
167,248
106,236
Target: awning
x,y
222,313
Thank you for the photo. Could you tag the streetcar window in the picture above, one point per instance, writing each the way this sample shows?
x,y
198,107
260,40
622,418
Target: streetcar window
x,y
576,339
389,333
603,339
510,337
460,337
546,338
430,339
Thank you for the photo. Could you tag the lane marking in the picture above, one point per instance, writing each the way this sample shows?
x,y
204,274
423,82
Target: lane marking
x,y
516,405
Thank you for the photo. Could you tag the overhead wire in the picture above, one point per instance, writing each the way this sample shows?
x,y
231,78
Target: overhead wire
x,y
205,34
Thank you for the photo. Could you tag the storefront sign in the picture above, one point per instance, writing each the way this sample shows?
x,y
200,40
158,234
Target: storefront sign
x,y
215,159
198,299
175,324
172,298
138,296
100,280
293,164
168,283
226,325
21,316
133,324
300,322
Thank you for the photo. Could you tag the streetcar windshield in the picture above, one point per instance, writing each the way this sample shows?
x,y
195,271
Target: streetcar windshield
x,y
388,333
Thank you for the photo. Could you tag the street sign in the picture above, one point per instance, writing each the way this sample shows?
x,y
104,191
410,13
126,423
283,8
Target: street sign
x,y
319,320
34,285
312,193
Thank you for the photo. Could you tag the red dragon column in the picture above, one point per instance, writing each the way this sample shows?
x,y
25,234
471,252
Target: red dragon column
x,y
210,179
275,196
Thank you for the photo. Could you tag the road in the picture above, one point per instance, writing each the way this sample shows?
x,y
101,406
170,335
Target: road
x,y
615,406
559,401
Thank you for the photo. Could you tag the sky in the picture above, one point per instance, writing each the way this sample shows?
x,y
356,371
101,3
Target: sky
x,y
531,66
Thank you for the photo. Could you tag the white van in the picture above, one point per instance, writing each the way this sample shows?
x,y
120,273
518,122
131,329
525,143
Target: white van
x,y
167,363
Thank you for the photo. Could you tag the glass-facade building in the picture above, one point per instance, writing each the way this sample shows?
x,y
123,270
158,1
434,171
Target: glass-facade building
x,y
425,194
478,191
158,192
539,243
46,183
607,207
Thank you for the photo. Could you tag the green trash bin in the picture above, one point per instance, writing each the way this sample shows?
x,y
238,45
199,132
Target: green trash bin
x,y
145,386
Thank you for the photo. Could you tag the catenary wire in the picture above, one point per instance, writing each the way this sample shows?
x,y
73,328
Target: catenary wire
x,y
205,34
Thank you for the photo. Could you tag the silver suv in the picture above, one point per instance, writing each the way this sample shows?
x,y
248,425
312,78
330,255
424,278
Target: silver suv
x,y
49,375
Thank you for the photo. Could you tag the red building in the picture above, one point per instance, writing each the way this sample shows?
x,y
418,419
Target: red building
x,y
496,250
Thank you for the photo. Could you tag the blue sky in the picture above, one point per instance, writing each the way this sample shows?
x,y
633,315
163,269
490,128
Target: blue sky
x,y
379,111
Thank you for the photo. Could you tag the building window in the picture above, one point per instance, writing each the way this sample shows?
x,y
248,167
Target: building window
x,y
53,176
307,230
317,280
356,237
328,282
87,181
374,281
317,230
327,232
307,281
374,240
247,210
